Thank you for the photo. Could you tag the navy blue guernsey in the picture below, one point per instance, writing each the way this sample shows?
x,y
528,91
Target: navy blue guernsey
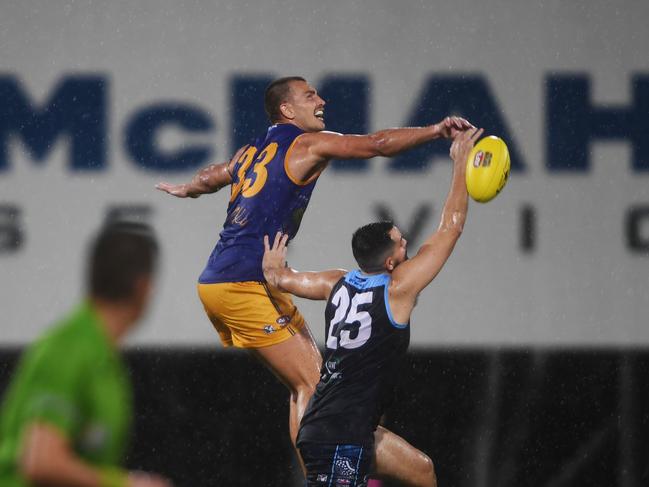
x,y
364,350
264,200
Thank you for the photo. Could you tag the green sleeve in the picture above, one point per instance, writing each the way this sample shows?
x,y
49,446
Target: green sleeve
x,y
50,387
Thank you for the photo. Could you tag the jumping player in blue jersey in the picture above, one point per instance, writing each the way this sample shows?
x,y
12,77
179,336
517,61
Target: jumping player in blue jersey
x,y
367,330
271,181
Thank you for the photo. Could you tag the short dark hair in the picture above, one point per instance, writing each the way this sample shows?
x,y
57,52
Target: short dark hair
x,y
371,244
120,254
276,93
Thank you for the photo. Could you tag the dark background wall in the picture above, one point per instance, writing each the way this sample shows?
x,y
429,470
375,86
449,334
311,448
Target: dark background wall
x,y
486,417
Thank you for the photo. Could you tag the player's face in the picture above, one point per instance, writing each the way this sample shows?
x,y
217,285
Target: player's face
x,y
307,107
400,250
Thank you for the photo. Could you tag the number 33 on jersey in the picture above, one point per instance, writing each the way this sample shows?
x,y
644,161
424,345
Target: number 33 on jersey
x,y
264,197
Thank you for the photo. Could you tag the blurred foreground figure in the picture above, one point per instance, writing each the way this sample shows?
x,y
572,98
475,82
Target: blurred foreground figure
x,y
67,412
367,329
271,180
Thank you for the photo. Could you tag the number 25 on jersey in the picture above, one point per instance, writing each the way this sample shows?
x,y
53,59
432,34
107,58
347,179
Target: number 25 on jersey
x,y
347,314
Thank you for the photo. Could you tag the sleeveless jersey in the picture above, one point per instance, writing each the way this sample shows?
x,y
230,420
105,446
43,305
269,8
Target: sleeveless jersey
x,y
263,201
363,353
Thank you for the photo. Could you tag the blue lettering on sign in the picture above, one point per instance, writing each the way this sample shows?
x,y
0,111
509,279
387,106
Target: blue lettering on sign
x,y
77,108
573,122
247,114
141,134
346,111
467,96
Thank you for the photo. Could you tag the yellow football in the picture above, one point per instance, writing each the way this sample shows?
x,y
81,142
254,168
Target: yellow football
x,y
487,169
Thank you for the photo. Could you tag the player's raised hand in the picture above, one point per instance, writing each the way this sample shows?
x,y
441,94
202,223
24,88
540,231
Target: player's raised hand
x,y
462,145
178,190
450,127
275,256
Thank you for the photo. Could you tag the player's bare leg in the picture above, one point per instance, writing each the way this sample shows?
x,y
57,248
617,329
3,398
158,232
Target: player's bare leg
x,y
396,459
296,362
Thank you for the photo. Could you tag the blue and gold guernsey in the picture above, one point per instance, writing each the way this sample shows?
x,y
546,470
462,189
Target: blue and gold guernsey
x,y
264,200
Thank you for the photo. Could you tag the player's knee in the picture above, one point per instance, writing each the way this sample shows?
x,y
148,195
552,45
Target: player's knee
x,y
307,382
302,390
305,389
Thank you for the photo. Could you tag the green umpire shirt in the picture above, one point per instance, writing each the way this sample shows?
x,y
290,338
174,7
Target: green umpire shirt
x,y
74,379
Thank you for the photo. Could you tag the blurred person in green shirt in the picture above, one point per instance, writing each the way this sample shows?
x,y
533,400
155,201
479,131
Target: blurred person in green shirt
x,y
66,415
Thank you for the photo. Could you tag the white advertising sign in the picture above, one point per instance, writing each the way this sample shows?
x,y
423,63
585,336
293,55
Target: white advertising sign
x,y
100,102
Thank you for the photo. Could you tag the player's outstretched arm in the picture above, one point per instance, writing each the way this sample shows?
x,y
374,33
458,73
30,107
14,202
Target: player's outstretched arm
x,y
208,180
415,274
387,143
48,459
310,285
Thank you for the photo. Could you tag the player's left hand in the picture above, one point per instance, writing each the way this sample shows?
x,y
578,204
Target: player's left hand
x,y
275,256
450,127
177,190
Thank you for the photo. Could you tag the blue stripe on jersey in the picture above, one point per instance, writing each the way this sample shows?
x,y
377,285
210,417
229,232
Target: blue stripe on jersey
x,y
363,281
387,308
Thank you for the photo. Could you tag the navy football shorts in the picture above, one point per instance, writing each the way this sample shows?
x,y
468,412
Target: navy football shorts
x,y
336,465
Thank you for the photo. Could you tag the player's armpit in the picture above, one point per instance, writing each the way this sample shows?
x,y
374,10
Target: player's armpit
x,y
235,158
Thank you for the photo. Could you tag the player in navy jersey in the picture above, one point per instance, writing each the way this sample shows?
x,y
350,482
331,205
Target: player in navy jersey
x,y
367,331
271,181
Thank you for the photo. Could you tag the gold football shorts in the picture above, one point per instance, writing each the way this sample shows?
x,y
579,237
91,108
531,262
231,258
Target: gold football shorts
x,y
250,314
